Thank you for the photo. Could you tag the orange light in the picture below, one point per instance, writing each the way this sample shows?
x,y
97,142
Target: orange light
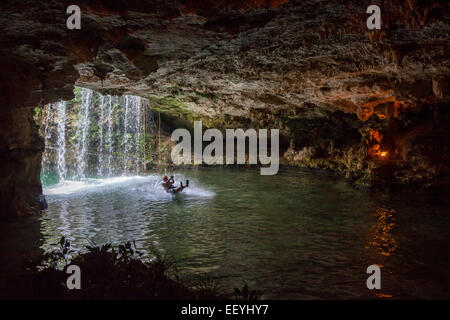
x,y
374,143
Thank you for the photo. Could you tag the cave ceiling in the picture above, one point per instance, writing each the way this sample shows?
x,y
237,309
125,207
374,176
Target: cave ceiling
x,y
235,58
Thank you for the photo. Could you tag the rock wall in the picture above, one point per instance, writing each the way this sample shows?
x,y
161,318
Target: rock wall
x,y
20,155
409,151
371,104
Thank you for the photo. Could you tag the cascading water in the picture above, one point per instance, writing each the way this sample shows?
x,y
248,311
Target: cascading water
x,y
137,130
101,165
46,113
61,129
109,136
86,95
126,142
88,141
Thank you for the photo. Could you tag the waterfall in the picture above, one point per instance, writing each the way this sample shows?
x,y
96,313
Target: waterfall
x,y
109,136
132,124
61,150
83,127
47,136
137,131
100,167
93,134
126,142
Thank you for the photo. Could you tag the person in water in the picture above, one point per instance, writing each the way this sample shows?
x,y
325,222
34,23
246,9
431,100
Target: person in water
x,y
168,185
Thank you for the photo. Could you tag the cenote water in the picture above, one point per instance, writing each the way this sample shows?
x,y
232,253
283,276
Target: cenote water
x,y
299,234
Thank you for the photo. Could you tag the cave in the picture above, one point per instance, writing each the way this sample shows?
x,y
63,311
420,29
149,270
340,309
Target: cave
x,y
365,110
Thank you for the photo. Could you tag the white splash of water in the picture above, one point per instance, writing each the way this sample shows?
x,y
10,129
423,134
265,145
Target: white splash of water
x,y
88,185
147,187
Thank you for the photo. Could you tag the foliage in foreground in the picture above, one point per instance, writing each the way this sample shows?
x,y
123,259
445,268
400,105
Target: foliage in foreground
x,y
110,272
115,272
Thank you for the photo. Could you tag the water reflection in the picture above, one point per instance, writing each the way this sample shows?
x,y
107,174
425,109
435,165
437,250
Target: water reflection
x,y
299,234
382,239
65,228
